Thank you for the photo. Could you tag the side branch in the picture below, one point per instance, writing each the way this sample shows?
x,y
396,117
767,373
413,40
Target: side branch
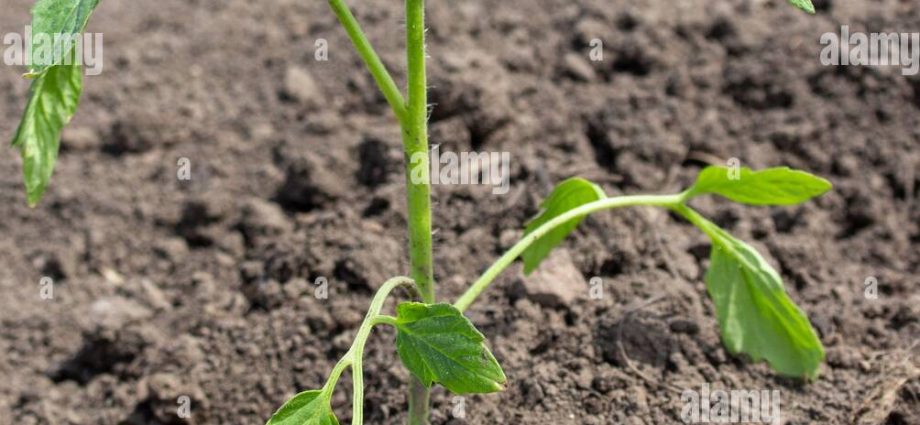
x,y
354,358
667,201
371,60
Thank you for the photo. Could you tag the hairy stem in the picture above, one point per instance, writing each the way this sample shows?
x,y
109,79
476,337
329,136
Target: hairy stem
x,y
413,120
371,60
415,142
667,201
355,355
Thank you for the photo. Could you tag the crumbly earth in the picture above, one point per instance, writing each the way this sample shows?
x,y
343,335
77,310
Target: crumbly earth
x,y
204,288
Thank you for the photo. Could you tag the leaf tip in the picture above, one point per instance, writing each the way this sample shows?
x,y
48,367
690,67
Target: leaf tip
x,y
826,185
805,5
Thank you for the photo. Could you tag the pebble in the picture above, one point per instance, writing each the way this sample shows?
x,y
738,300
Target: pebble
x,y
556,283
300,86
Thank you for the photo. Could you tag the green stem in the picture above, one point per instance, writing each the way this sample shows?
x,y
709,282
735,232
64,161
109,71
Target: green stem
x,y
719,237
415,143
336,373
413,119
371,60
355,355
419,402
667,201
385,320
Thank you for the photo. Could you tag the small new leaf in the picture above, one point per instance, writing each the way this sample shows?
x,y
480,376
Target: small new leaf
x,y
61,19
568,195
53,99
307,408
804,5
772,186
439,345
755,315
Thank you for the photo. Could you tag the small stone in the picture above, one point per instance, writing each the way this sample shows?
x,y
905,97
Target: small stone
x,y
263,218
639,398
584,378
589,29
577,67
154,295
80,139
608,380
171,248
300,86
113,313
296,287
684,326
556,283
640,337
509,237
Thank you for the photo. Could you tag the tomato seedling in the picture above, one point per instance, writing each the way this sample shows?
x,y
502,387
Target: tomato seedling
x,y
435,341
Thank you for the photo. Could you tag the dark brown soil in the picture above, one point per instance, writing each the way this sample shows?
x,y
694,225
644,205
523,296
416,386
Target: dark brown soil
x,y
204,288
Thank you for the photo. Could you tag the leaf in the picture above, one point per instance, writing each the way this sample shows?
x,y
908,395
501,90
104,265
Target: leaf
x,y
306,408
440,345
568,195
53,99
57,18
755,314
55,91
772,186
804,5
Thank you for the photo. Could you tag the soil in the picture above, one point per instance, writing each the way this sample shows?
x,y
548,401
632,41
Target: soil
x,y
204,288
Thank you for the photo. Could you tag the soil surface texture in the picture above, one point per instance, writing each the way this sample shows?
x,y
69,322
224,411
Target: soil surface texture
x,y
203,290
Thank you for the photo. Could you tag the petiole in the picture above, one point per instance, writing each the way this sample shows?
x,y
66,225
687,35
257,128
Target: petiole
x,y
666,201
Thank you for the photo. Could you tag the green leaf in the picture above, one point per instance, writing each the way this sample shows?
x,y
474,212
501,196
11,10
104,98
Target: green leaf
x,y
568,195
56,18
804,5
53,99
55,90
755,314
772,186
307,408
440,345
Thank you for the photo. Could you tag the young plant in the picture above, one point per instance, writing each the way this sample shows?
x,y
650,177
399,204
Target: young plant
x,y
435,341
